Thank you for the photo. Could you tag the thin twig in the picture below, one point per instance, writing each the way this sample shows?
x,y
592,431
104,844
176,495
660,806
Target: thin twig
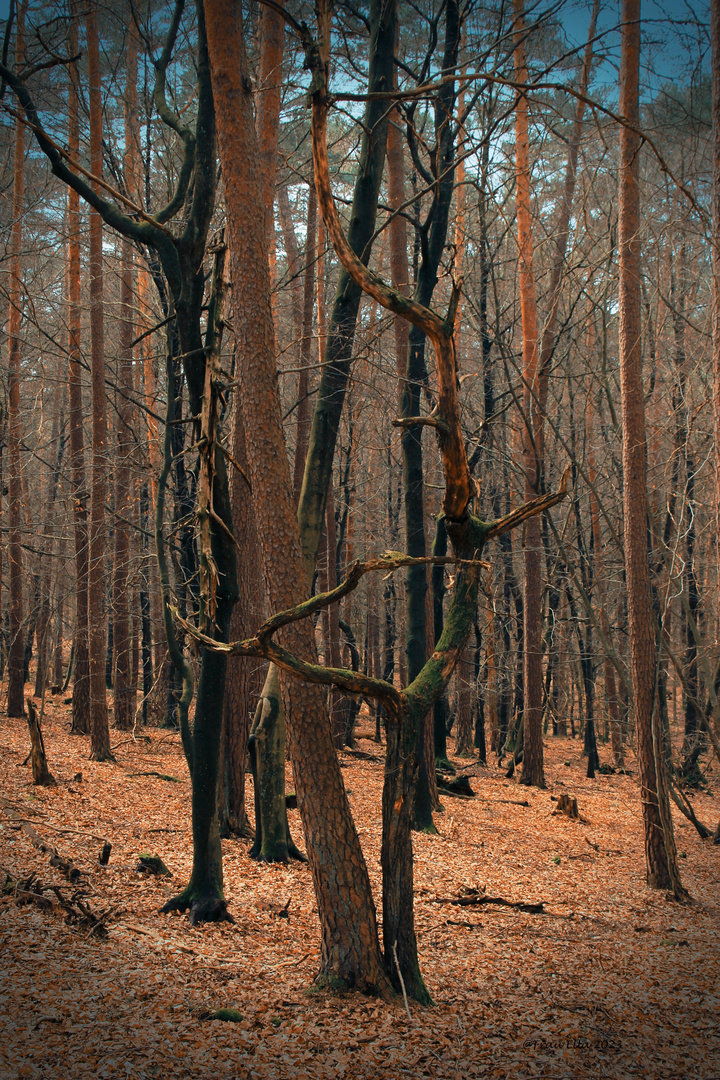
x,y
402,981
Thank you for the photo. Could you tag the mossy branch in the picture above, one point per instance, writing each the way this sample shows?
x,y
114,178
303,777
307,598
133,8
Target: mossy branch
x,y
352,682
389,561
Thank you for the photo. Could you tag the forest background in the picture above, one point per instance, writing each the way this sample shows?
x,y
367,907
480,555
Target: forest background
x,y
211,365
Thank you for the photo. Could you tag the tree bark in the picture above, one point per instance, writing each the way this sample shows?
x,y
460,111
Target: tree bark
x,y
244,677
304,411
124,705
99,732
662,871
16,680
533,769
338,353
715,77
81,668
350,949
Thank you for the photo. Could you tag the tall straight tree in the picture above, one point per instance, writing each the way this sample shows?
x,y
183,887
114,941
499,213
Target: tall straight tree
x,y
661,858
533,768
715,69
16,680
124,711
81,679
99,732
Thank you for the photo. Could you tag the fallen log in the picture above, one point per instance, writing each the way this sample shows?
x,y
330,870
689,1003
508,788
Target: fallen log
x,y
160,776
456,785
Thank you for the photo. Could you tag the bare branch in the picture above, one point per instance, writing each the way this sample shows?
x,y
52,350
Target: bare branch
x,y
529,509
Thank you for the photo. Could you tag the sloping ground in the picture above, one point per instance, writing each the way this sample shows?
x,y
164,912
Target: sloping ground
x,y
609,981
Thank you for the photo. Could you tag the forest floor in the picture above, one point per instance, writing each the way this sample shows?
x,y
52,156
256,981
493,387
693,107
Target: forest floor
x,y
610,980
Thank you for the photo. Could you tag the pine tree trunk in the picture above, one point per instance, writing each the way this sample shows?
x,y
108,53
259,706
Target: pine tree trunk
x,y
662,872
99,732
124,707
715,72
43,630
350,948
533,769
304,410
245,677
16,679
81,668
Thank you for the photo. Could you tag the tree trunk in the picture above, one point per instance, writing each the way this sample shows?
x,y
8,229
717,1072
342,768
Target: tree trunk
x,y
16,680
338,354
304,411
532,770
99,733
124,705
715,73
463,707
41,774
273,842
43,629
662,871
350,949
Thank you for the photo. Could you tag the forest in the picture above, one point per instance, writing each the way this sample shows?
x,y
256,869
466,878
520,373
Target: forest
x,y
360,504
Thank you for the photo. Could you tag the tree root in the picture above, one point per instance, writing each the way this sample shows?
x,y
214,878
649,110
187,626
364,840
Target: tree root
x,y
202,908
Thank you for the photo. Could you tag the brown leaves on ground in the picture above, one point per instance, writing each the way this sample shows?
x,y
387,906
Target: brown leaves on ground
x,y
610,980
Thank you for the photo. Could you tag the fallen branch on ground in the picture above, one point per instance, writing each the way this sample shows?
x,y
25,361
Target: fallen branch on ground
x,y
77,911
472,898
71,872
160,776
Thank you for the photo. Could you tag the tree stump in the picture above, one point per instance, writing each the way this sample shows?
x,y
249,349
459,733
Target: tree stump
x,y
567,804
40,772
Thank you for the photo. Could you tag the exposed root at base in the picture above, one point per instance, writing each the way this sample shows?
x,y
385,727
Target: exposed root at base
x,y
202,909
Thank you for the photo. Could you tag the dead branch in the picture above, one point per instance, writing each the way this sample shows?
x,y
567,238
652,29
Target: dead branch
x,y
529,509
71,872
683,804
473,898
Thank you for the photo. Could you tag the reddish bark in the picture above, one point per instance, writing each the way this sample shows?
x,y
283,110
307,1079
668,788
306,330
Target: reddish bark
x,y
659,844
81,679
124,703
715,72
350,948
304,410
533,770
611,694
99,733
16,681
